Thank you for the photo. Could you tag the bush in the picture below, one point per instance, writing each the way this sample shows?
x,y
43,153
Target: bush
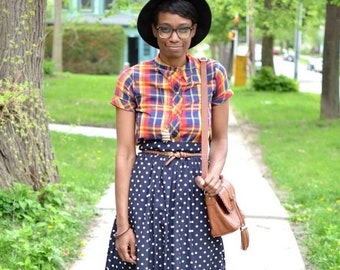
x,y
34,223
266,80
90,48
49,66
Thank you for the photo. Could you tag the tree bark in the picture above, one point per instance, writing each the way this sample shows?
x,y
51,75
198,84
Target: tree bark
x,y
267,42
330,72
267,51
25,145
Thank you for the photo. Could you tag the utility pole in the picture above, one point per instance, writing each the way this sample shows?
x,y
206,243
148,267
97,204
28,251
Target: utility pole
x,y
297,44
236,20
251,38
233,37
57,49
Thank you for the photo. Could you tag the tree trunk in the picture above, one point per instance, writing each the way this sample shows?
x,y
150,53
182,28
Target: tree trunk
x,y
57,49
267,51
251,38
330,72
267,42
25,145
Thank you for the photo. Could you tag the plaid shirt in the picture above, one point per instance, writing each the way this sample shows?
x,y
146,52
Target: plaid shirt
x,y
167,99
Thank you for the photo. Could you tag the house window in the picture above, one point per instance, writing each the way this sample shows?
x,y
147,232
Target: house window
x,y
86,5
108,4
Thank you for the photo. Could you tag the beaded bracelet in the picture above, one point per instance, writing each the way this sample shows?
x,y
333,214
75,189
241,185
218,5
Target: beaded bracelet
x,y
116,235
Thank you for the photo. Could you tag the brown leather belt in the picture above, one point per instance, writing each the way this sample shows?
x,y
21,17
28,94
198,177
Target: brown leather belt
x,y
172,155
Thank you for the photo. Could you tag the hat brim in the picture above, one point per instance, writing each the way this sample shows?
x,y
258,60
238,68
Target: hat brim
x,y
144,22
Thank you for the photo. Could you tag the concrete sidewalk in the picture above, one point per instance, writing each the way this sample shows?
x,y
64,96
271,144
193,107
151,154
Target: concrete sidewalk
x,y
272,242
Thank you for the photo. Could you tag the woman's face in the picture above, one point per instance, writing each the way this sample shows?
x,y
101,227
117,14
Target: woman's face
x,y
174,34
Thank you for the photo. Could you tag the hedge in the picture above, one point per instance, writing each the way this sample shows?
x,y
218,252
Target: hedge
x,y
90,48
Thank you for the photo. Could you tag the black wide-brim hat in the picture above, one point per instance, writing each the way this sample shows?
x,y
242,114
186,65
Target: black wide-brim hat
x,y
144,22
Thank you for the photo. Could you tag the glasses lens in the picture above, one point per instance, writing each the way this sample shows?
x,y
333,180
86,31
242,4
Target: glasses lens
x,y
166,32
183,32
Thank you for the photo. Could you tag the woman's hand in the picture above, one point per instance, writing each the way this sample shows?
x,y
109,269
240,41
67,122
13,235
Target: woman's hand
x,y
211,185
126,246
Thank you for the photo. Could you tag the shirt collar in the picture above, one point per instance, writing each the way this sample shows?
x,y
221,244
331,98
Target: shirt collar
x,y
167,70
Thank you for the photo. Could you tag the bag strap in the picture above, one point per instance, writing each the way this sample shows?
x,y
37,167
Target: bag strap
x,y
205,130
205,143
204,117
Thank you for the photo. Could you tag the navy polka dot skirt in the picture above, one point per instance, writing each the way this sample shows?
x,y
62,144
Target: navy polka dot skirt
x,y
168,214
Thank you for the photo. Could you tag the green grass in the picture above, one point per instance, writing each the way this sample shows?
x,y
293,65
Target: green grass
x,y
85,163
80,99
303,155
46,229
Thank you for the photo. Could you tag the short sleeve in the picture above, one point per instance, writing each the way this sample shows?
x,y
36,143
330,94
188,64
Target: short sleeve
x,y
222,91
123,97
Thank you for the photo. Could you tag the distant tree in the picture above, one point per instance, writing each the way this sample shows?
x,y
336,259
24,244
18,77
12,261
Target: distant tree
x,y
133,6
331,53
313,24
273,20
25,145
267,39
262,21
221,46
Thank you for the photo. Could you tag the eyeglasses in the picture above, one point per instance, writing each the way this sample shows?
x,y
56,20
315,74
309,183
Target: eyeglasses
x,y
166,32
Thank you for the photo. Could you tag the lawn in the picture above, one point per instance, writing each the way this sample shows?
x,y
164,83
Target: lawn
x,y
302,153
80,99
46,229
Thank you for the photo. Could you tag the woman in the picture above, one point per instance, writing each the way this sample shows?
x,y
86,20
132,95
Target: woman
x,y
161,220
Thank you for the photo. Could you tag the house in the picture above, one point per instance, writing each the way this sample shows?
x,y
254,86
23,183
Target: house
x,y
95,11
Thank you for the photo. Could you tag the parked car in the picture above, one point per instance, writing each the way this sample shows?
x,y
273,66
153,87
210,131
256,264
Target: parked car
x,y
289,56
276,51
258,57
315,64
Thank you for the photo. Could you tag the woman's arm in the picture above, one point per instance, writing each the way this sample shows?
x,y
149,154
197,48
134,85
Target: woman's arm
x,y
125,158
218,147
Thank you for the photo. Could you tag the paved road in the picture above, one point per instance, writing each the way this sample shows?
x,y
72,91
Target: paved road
x,y
309,81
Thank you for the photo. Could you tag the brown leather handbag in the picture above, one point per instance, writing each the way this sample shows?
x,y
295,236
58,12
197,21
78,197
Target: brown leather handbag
x,y
223,212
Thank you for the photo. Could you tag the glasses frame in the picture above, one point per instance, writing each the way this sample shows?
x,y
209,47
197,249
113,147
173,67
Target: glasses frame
x,y
177,30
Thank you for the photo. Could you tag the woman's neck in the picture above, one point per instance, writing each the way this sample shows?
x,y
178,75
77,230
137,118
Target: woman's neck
x,y
174,62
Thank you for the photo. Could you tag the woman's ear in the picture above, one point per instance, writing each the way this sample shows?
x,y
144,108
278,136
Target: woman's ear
x,y
193,31
154,31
